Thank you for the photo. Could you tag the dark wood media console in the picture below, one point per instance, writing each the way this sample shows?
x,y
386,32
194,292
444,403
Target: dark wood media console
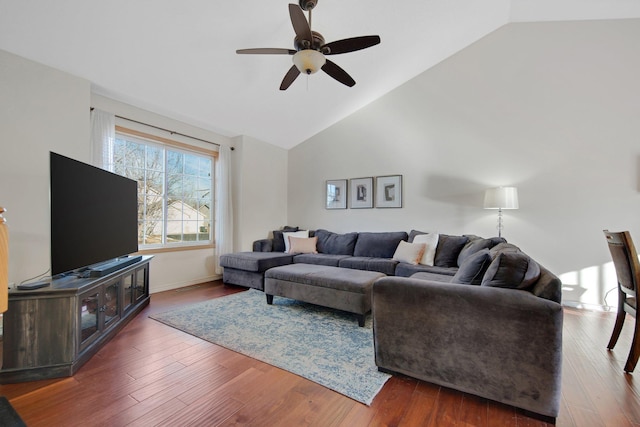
x,y
52,331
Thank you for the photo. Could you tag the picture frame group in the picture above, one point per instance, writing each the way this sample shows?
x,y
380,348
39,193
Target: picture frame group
x,y
364,193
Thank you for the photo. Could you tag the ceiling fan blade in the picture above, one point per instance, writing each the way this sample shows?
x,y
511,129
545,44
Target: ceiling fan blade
x,y
338,73
266,51
350,45
299,22
291,75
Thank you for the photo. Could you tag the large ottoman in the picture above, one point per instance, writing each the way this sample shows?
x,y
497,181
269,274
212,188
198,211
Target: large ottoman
x,y
340,288
247,268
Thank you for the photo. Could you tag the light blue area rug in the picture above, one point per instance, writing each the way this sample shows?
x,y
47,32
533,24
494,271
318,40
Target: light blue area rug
x,y
323,345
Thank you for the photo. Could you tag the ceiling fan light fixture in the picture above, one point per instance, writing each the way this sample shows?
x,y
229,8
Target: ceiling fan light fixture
x,y
309,61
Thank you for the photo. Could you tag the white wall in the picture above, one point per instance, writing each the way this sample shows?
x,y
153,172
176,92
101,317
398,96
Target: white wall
x,y
260,190
41,110
548,107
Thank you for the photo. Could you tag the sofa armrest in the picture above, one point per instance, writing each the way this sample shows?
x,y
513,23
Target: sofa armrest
x,y
501,344
263,245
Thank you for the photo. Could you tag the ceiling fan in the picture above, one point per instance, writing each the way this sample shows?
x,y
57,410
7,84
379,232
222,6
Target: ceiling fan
x,y
311,49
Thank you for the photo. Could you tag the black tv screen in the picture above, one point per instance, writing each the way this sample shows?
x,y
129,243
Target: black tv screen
x,y
94,215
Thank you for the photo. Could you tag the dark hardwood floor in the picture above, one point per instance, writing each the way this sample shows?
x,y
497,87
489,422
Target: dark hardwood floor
x,y
151,374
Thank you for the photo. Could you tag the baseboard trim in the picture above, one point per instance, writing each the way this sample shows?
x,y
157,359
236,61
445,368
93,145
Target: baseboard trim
x,y
590,307
171,286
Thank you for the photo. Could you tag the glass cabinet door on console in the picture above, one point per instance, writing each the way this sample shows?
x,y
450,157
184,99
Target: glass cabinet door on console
x,y
127,291
141,290
89,306
100,308
111,303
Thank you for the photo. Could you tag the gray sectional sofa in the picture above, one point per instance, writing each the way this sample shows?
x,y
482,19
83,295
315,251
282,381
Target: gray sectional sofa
x,y
484,319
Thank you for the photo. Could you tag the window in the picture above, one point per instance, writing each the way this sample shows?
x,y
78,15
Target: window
x,y
175,189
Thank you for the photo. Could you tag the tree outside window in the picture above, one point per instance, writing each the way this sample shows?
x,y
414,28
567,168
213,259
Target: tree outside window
x,y
175,191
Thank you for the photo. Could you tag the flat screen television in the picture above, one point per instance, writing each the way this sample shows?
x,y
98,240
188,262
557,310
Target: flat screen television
x,y
94,215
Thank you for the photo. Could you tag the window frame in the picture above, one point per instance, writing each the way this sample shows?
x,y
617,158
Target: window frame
x,y
168,144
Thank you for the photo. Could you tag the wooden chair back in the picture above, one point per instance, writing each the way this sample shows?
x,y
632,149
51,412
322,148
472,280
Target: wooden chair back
x,y
625,260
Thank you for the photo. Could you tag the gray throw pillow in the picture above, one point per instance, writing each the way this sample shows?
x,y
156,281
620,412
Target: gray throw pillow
x,y
472,247
514,270
448,249
473,268
497,240
278,238
335,244
504,247
378,244
413,234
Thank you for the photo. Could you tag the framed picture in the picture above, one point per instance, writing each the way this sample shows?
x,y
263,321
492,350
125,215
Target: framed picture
x,y
336,194
361,193
389,191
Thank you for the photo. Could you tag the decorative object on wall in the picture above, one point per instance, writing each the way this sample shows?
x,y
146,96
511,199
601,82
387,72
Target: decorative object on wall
x,y
361,192
501,198
336,194
389,191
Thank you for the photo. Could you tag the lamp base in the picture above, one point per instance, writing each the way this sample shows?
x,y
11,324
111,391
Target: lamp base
x,y
500,226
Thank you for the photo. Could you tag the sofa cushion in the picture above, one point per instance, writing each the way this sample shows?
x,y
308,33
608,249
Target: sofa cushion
x,y
514,270
409,252
302,245
378,245
381,265
473,268
434,277
278,238
255,261
319,259
431,244
448,249
336,244
407,270
474,246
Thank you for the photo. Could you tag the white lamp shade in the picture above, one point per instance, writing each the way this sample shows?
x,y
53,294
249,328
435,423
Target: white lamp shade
x,y
501,198
308,61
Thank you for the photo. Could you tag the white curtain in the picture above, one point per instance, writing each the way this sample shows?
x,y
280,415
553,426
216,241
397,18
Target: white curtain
x,y
103,133
224,207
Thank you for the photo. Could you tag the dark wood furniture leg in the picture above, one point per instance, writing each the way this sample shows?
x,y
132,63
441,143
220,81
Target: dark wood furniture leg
x,y
617,328
634,353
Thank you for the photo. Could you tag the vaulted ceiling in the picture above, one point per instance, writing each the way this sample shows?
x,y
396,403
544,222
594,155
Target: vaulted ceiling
x,y
178,58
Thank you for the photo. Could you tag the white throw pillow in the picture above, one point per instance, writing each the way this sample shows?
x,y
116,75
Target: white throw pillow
x,y
286,234
431,242
409,252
